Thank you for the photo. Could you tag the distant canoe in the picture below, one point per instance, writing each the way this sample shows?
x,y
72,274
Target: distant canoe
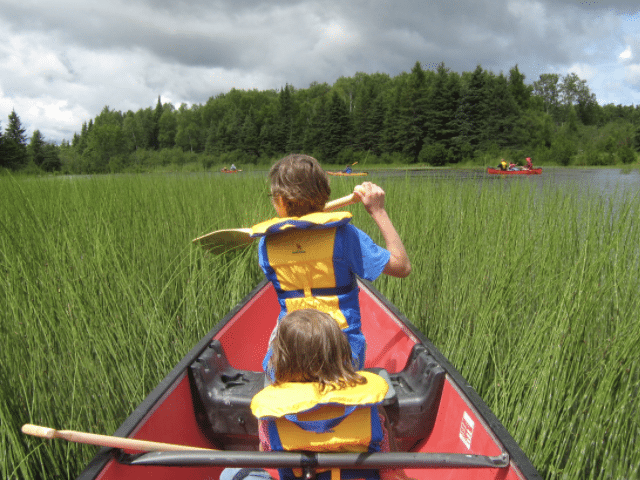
x,y
497,171
230,171
345,174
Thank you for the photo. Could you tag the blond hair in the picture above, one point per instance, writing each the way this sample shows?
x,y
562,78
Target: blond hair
x,y
301,183
310,347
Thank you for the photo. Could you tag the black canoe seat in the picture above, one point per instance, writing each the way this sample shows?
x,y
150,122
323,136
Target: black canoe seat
x,y
222,398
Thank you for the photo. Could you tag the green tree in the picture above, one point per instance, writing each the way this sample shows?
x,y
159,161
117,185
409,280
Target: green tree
x,y
154,131
167,126
502,112
473,112
548,89
338,128
36,148
413,112
520,92
15,143
442,123
249,135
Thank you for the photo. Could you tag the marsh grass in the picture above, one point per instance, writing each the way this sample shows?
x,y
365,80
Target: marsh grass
x,y
532,295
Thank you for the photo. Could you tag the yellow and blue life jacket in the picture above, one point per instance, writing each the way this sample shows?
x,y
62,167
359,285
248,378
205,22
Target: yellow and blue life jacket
x,y
301,418
313,261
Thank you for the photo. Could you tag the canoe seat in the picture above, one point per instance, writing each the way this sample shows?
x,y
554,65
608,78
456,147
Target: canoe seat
x,y
223,394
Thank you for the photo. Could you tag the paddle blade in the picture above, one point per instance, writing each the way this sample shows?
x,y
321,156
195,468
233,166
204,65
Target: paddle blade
x,y
222,241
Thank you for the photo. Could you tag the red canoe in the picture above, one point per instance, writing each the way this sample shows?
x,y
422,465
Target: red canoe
x,y
443,427
497,171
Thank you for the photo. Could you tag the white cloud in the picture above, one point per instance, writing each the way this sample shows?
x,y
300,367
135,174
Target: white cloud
x,y
626,55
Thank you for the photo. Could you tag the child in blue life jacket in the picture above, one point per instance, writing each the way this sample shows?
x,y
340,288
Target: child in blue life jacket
x,y
318,401
313,257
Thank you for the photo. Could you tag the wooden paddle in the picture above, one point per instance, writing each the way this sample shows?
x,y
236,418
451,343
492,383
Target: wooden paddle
x,y
105,440
222,241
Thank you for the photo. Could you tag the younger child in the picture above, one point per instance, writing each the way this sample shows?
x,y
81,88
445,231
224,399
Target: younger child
x,y
318,401
312,257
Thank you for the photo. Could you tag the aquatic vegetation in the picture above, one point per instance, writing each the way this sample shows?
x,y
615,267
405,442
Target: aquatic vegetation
x,y
532,295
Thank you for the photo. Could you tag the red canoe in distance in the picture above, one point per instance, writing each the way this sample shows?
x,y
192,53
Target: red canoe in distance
x,y
497,171
444,428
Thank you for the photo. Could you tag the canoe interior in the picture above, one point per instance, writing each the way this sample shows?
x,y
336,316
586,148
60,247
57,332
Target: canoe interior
x,y
174,413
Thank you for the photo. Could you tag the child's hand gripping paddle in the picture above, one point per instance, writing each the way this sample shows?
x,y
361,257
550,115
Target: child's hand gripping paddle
x,y
222,241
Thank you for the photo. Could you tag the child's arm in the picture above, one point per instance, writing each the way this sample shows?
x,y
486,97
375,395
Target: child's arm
x,y
372,197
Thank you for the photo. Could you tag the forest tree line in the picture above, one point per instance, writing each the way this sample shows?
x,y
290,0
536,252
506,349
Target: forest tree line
x,y
422,117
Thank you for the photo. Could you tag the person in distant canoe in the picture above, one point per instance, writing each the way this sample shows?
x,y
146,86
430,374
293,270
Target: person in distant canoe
x,y
232,168
347,169
313,258
503,165
345,402
529,165
513,167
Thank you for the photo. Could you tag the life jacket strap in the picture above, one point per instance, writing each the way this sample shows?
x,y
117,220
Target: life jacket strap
x,y
320,426
317,292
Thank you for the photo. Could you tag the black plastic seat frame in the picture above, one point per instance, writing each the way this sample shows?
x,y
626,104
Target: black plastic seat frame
x,y
222,397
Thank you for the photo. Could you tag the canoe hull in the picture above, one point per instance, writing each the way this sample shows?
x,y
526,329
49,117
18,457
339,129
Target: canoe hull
x,y
172,413
497,171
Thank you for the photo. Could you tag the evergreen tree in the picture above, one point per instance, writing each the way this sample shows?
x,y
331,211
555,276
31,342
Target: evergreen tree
x,y
413,113
338,131
502,112
3,155
249,135
36,148
314,137
283,125
154,131
15,143
441,123
520,92
473,112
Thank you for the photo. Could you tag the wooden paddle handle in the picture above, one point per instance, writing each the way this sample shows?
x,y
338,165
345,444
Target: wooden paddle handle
x,y
104,440
342,202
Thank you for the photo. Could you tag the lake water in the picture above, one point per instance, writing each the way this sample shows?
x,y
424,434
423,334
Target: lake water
x,y
605,181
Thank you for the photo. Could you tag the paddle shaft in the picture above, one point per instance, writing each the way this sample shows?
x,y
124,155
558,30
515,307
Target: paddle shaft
x,y
341,202
105,440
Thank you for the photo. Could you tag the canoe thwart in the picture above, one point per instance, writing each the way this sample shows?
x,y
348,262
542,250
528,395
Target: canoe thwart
x,y
317,460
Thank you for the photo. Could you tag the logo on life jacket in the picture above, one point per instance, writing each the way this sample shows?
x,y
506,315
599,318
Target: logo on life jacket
x,y
298,249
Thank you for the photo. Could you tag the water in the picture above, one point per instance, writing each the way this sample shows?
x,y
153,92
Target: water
x,y
604,181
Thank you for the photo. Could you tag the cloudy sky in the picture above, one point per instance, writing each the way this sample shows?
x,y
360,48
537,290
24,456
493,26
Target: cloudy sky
x,y
62,61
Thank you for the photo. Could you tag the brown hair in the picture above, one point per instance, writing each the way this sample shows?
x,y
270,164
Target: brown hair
x,y
301,183
310,347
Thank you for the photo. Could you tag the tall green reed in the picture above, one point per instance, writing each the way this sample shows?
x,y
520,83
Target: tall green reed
x,y
531,294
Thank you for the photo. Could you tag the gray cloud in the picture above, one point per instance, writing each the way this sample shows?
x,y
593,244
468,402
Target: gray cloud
x,y
64,60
